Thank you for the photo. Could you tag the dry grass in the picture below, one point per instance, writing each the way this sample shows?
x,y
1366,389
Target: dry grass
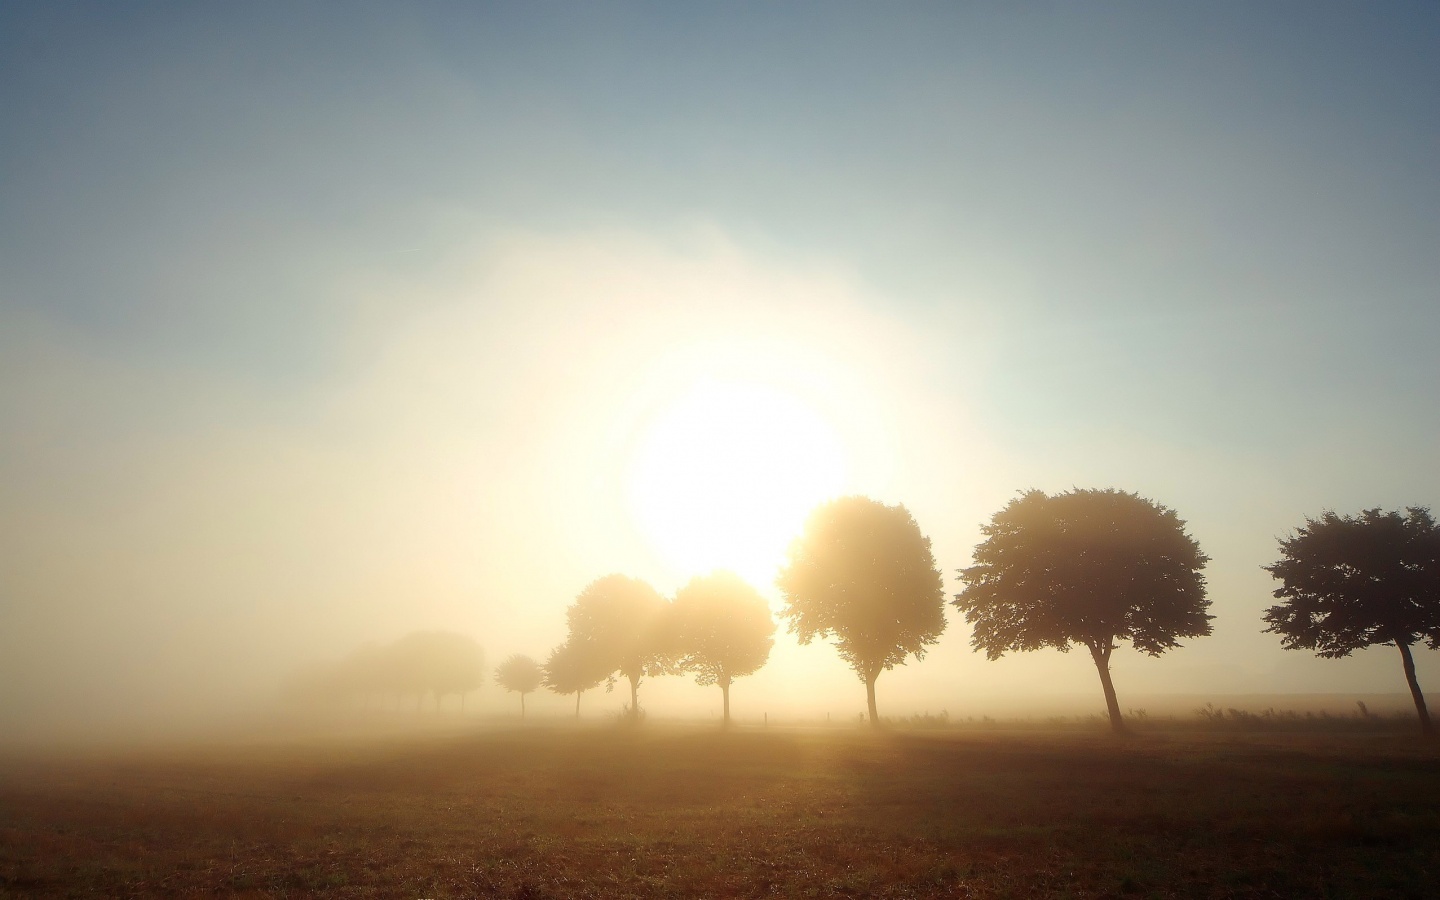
x,y
661,812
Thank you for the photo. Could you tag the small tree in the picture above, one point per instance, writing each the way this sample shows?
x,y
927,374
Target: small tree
x,y
724,630
628,625
574,667
1350,582
863,573
1087,567
519,673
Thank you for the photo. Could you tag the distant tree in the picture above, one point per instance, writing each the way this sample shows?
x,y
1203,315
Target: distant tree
x,y
863,573
1350,582
520,674
724,630
574,667
1088,567
420,663
432,662
629,627
457,665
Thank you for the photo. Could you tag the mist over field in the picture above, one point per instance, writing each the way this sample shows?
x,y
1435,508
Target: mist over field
x,y
322,327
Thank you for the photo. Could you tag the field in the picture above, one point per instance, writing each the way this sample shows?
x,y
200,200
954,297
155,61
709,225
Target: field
x,y
657,811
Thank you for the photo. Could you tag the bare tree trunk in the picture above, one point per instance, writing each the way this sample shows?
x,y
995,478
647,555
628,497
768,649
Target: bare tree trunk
x,y
577,703
635,697
725,690
870,701
1425,727
1102,663
522,704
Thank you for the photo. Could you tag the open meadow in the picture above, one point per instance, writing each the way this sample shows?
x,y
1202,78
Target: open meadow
x,y
662,811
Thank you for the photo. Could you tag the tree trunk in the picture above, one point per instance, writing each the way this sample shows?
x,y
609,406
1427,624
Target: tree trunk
x,y
725,690
870,701
577,703
1102,664
635,697
522,704
1425,727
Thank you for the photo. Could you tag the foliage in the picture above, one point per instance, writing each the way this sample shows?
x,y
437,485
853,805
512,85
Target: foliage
x,y
574,667
863,573
519,673
1088,567
1354,581
627,626
723,627
422,662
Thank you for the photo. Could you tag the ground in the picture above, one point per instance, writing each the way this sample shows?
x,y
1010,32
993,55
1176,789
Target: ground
x,y
656,811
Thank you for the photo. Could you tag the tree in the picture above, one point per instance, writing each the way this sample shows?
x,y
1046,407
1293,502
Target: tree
x,y
863,573
432,662
519,673
724,630
1088,567
1350,582
456,665
574,667
628,625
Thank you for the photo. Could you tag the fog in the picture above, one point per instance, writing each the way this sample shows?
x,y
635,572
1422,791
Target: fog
x,y
314,337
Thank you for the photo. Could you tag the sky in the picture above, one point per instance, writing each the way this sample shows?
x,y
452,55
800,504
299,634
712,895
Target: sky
x,y
322,323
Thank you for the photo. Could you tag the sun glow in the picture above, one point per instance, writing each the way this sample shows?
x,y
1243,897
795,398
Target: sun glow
x,y
724,476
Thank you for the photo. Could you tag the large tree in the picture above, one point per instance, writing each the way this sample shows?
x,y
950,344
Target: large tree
x,y
1088,567
628,624
520,674
1350,582
574,667
862,572
724,630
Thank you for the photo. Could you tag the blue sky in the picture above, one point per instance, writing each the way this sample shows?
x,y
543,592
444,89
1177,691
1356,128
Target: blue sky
x,y
1189,251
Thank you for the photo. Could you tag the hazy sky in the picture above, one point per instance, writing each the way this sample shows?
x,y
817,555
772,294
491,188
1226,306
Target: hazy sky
x,y
322,323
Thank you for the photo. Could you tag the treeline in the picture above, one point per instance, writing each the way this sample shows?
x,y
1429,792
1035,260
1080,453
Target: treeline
x,y
1086,568
424,664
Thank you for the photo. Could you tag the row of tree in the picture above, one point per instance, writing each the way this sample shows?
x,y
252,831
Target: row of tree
x,y
717,628
1087,568
421,664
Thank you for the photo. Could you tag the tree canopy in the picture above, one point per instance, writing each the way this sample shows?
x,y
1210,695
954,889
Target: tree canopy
x,y
574,667
1349,582
724,630
628,625
521,674
862,572
420,663
1088,567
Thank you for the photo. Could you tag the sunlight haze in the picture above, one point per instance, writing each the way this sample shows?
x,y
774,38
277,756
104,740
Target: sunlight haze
x,y
323,325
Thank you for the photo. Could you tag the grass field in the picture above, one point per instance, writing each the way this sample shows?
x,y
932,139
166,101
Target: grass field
x,y
659,811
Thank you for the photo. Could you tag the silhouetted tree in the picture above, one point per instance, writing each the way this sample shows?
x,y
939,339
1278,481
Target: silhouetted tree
x,y
863,573
1087,567
723,628
457,665
521,674
420,663
574,667
1355,581
432,662
629,626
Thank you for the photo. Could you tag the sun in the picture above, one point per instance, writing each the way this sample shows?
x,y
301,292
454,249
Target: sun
x,y
724,476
